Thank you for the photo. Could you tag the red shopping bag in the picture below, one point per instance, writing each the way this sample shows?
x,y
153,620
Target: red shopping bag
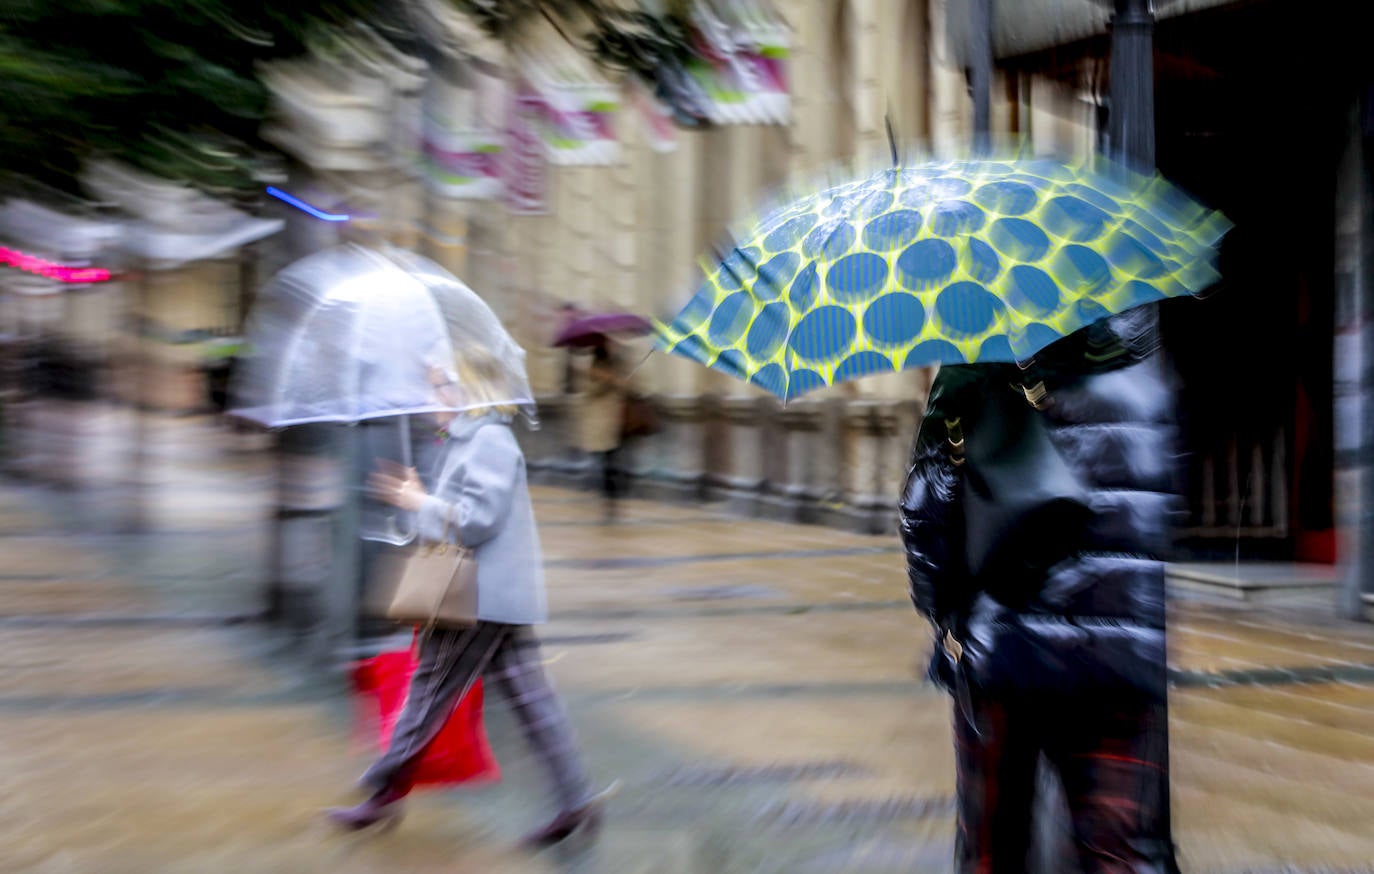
x,y
459,754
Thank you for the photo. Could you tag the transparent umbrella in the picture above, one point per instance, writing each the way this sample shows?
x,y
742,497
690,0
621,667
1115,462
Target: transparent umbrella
x,y
340,336
352,334
491,365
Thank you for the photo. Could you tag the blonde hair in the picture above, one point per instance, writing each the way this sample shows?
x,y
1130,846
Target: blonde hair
x,y
482,383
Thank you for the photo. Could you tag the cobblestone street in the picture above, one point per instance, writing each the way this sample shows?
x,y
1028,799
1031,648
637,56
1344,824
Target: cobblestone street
x,y
755,687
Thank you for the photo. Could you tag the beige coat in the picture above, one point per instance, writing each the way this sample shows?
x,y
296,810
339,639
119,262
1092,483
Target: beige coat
x,y
601,412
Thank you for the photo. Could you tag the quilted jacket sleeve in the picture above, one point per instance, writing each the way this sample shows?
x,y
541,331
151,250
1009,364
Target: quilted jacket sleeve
x,y
930,511
929,515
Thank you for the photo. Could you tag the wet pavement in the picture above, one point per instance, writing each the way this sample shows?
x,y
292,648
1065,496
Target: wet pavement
x,y
754,686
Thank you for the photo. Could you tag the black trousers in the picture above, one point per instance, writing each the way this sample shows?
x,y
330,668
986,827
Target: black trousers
x,y
1110,761
509,656
612,479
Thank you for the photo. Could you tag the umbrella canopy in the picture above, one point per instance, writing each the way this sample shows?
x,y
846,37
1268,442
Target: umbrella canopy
x,y
590,329
349,334
942,263
491,365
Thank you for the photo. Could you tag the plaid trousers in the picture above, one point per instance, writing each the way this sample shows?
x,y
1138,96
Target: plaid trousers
x,y
509,657
1109,759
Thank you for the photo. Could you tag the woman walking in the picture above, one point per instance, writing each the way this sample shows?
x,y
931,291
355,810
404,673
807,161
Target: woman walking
x,y
602,422
482,497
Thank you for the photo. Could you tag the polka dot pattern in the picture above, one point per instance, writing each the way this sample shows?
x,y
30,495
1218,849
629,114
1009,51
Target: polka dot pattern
x,y
955,262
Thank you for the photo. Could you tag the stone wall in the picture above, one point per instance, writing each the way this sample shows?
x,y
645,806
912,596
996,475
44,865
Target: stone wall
x,y
628,236
826,461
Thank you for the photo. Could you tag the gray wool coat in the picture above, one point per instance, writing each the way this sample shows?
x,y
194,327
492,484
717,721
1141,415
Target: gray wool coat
x,y
481,487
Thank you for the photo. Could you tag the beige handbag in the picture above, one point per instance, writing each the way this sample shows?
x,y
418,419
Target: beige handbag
x,y
436,586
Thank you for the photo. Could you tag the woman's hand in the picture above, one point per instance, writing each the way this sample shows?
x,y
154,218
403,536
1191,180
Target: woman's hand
x,y
398,486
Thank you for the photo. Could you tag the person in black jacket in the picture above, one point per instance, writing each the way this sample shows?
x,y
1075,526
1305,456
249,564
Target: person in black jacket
x,y
1054,647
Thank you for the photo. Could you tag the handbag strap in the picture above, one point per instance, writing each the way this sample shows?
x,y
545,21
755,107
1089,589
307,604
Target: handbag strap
x,y
441,547
450,526
1036,395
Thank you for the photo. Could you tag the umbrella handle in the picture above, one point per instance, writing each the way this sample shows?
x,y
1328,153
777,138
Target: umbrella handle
x,y
407,461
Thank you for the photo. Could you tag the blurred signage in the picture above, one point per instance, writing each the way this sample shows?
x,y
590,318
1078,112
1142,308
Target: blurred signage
x,y
464,164
60,272
575,113
659,127
740,62
463,124
526,175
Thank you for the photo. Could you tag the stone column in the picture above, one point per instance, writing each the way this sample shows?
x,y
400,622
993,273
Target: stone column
x,y
446,234
735,460
950,106
880,434
741,478
870,92
672,462
679,471
980,66
806,71
795,495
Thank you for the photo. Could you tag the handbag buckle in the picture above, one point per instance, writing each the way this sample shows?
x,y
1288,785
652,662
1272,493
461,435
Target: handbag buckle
x,y
1036,395
952,647
955,430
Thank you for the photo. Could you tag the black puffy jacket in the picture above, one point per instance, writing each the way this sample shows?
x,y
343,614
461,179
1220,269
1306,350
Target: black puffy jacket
x,y
1096,618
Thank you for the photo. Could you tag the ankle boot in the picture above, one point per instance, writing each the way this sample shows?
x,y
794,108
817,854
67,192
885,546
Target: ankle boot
x,y
586,817
383,807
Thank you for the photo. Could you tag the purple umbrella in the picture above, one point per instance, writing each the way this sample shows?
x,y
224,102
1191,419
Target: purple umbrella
x,y
589,330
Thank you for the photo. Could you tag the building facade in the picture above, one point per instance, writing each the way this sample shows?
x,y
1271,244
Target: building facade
x,y
625,227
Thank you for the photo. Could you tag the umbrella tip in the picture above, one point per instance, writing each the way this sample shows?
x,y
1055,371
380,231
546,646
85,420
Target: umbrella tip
x,y
891,138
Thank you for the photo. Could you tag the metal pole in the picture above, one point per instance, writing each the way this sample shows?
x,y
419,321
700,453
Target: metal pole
x,y
980,72
1131,124
1131,131
136,509
1355,345
1365,193
342,594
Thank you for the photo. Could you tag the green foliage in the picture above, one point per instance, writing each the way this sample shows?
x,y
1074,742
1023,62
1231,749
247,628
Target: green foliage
x,y
501,18
654,47
166,85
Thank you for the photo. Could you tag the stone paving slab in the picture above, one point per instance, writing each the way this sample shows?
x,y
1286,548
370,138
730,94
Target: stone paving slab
x,y
813,648
861,730
41,595
206,790
785,657
113,661
48,556
764,582
1270,644
715,538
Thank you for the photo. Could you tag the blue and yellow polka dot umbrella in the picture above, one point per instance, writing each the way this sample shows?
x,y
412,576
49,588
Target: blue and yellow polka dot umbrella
x,y
944,263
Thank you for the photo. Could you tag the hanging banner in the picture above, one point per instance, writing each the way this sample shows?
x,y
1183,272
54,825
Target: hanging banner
x,y
462,138
657,118
740,59
575,125
525,174
576,110
463,163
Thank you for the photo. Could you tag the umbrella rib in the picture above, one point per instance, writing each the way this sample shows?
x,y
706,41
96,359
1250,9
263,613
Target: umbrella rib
x,y
635,369
279,396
